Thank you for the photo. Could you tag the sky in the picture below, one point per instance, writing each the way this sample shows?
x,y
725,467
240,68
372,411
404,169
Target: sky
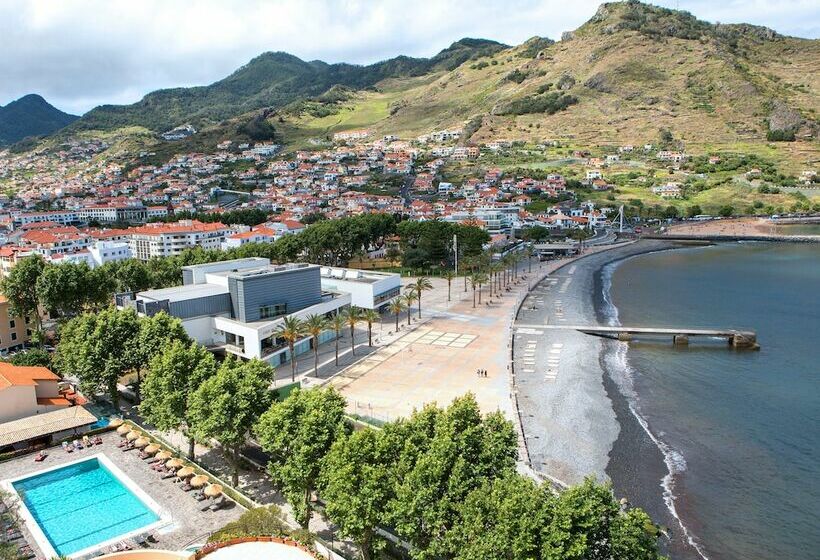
x,y
82,53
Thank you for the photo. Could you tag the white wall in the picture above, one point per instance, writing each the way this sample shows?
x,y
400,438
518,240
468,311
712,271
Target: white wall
x,y
17,401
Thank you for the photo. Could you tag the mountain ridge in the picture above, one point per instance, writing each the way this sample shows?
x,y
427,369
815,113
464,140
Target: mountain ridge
x,y
30,115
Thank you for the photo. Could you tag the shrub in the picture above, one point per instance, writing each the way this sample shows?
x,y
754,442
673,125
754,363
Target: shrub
x,y
257,522
548,103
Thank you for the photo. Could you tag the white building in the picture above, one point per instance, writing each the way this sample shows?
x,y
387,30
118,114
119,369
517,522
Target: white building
x,y
166,240
367,289
108,251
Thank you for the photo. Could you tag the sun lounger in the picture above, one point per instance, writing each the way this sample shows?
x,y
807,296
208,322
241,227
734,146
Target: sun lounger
x,y
77,444
41,456
199,496
98,440
67,447
86,441
169,474
219,503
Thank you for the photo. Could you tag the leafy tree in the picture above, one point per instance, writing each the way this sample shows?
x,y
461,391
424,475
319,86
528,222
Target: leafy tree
x,y
465,451
370,316
291,330
226,405
693,211
726,211
315,325
155,334
417,287
352,316
131,275
64,288
173,376
396,306
297,433
33,357
20,288
504,518
356,486
257,522
99,348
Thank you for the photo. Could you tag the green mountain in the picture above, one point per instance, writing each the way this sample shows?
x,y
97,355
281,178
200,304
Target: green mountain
x,y
31,115
272,79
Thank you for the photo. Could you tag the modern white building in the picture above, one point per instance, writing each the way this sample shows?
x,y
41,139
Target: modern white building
x,y
166,240
237,306
109,251
367,289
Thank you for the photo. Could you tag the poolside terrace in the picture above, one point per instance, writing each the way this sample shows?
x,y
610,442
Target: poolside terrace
x,y
188,523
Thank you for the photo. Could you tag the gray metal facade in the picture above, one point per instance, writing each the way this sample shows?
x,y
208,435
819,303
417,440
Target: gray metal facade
x,y
197,307
187,277
297,288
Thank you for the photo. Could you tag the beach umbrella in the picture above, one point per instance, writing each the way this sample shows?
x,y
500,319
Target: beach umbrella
x,y
133,435
212,490
164,455
142,442
116,422
198,481
174,464
123,429
185,472
151,449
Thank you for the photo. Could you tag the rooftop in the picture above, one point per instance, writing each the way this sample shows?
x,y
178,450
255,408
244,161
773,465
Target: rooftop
x,y
44,424
183,293
11,375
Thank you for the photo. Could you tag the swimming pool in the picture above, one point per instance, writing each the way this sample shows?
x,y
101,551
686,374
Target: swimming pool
x,y
84,504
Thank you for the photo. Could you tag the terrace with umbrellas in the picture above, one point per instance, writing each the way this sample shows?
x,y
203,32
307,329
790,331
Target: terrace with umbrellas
x,y
193,503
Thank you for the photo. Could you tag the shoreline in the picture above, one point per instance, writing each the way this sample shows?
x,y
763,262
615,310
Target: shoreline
x,y
586,425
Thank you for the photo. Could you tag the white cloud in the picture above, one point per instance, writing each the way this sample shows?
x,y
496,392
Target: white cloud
x,y
80,53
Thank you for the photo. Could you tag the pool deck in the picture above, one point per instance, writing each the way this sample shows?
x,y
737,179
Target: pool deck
x,y
188,523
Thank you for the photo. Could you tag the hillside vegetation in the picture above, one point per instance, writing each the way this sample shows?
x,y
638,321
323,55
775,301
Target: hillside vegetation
x,y
30,115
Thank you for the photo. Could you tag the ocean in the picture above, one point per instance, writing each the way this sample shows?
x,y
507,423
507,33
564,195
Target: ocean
x,y
722,446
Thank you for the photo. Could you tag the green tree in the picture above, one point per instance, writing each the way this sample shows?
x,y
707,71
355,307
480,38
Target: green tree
x,y
315,325
464,450
370,316
726,211
173,376
449,276
99,348
257,522
291,330
226,405
64,289
409,299
337,323
503,518
20,288
297,433
396,307
356,486
132,275
352,316
418,286
33,357
693,211
155,334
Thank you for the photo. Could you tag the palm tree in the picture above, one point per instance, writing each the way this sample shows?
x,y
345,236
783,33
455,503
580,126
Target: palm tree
x,y
315,325
409,299
396,307
337,323
370,316
291,329
473,284
418,287
449,276
481,278
352,316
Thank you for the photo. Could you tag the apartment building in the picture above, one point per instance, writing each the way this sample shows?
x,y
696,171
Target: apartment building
x,y
14,330
166,240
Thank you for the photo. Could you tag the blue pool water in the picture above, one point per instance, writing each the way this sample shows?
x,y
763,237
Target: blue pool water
x,y
82,505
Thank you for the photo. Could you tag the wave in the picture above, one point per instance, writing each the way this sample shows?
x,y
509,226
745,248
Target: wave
x,y
623,374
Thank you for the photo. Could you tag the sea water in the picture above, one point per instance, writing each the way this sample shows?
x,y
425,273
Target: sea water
x,y
739,431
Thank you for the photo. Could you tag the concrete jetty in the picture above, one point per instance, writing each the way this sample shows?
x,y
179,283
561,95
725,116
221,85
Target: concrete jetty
x,y
680,336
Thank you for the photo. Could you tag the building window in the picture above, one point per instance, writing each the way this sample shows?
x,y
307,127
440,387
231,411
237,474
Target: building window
x,y
11,324
272,311
14,336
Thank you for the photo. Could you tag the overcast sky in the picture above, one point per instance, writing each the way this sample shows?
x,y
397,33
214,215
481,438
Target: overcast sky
x,y
82,53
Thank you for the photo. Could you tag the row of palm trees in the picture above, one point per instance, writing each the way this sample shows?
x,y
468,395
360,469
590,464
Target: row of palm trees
x,y
295,328
497,274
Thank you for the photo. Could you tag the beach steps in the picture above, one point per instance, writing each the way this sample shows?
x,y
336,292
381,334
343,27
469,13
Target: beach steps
x,y
680,336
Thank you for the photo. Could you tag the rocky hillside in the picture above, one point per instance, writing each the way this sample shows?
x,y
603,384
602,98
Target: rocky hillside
x,y
30,115
272,79
630,72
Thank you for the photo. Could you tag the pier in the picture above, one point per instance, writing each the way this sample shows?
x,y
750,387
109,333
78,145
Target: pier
x,y
680,336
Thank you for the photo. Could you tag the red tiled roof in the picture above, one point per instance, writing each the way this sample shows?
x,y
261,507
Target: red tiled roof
x,y
11,375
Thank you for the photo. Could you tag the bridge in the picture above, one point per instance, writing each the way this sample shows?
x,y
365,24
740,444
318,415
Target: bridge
x,y
680,336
